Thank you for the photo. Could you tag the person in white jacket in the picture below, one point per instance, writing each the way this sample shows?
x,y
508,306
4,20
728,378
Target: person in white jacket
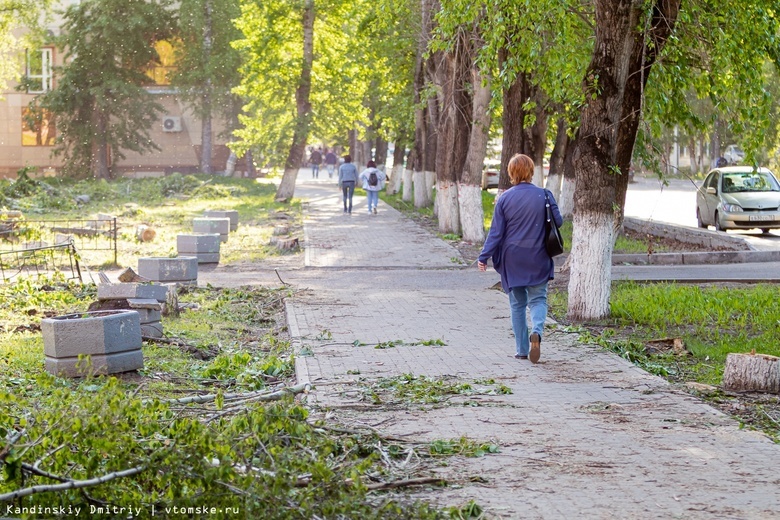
x,y
373,180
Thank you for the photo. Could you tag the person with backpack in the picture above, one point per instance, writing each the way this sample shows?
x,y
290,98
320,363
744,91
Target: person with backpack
x,y
373,180
348,177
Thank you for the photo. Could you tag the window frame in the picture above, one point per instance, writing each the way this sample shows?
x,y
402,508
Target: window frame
x,y
46,73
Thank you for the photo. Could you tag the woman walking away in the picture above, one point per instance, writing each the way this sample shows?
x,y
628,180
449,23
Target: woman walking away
x,y
348,176
516,245
373,181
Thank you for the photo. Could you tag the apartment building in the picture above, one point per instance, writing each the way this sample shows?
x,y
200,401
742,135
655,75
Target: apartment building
x,y
27,139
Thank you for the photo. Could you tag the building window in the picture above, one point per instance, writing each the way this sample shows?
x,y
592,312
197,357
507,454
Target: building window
x,y
39,70
161,72
37,127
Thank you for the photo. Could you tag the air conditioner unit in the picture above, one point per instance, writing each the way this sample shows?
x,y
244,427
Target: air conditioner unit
x,y
171,124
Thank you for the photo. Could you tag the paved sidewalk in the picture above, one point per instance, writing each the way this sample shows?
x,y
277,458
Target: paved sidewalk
x,y
584,434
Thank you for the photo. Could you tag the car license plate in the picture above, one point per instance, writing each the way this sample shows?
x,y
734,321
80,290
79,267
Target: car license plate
x,y
761,217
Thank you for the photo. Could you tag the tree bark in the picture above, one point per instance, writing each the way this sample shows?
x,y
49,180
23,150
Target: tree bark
x,y
380,152
303,109
454,81
601,148
472,216
512,123
752,373
557,157
100,146
206,138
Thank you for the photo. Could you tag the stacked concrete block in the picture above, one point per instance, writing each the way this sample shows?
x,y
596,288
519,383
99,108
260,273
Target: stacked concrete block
x,y
205,247
218,213
147,300
182,269
220,226
111,339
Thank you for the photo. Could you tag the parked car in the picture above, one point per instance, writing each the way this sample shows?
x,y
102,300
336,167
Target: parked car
x,y
490,174
739,197
734,154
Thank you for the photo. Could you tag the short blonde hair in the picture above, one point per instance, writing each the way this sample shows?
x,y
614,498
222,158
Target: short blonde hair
x,y
520,168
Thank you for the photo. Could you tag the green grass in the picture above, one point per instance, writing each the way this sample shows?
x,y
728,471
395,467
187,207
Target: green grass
x,y
712,321
168,204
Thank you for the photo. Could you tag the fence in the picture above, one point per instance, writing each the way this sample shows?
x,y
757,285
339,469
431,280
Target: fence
x,y
41,246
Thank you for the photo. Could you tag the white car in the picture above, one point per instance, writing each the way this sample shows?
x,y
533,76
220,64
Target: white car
x,y
739,197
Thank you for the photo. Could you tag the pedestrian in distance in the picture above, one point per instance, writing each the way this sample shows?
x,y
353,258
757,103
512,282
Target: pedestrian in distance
x,y
373,180
516,244
348,176
315,160
331,160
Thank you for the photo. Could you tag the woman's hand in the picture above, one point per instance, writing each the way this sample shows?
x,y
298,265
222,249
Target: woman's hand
x,y
482,267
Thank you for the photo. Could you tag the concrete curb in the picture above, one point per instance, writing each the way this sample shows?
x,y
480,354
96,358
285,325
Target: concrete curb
x,y
689,235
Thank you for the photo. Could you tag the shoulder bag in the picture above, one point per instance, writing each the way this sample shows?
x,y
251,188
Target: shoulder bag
x,y
553,241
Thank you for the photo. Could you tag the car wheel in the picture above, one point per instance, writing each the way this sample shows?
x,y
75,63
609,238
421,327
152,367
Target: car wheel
x,y
765,231
698,219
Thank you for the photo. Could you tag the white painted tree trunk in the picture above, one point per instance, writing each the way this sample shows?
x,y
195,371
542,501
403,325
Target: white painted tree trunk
x,y
752,373
554,186
538,175
407,186
447,201
472,216
566,200
421,197
430,180
391,188
591,266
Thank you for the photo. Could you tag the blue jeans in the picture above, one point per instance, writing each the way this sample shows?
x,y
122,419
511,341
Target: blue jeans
x,y
315,170
348,188
373,198
535,298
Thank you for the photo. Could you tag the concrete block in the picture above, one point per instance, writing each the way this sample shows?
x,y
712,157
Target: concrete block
x,y
169,270
220,226
204,246
152,330
108,337
126,291
218,213
98,365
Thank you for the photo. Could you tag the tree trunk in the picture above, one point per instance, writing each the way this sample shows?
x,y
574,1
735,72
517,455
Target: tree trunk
x,y
100,146
206,138
303,106
380,153
536,140
251,171
230,164
605,139
398,168
472,216
512,122
408,182
752,373
557,157
454,81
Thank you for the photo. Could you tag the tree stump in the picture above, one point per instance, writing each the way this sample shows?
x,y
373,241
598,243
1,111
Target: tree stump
x,y
752,373
145,233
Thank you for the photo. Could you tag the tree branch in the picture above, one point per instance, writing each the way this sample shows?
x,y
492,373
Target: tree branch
x,y
73,484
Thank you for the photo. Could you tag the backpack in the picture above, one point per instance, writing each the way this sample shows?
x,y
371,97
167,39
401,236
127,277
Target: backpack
x,y
373,180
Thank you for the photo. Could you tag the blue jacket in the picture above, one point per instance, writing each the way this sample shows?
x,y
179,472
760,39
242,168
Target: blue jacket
x,y
348,172
516,238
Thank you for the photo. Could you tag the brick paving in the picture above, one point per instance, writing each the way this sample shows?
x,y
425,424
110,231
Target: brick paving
x,y
584,434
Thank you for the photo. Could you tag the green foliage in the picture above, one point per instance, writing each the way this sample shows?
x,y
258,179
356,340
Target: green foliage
x,y
246,458
420,389
462,446
99,99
